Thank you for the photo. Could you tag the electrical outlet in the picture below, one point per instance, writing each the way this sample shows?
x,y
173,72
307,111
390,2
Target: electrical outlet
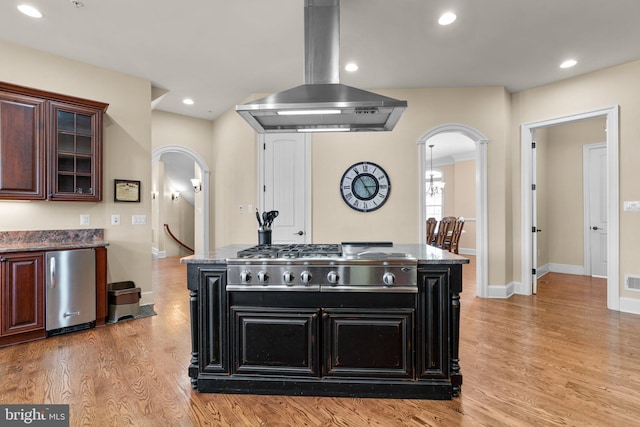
x,y
85,219
115,219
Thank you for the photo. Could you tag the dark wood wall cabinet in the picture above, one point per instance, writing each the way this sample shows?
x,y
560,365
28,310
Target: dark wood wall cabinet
x,y
398,345
50,146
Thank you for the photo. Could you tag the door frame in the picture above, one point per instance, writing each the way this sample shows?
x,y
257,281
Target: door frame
x,y
482,235
527,135
586,155
308,237
201,221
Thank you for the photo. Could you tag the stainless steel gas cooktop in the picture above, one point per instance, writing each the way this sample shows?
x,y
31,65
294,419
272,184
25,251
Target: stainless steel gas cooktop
x,y
350,266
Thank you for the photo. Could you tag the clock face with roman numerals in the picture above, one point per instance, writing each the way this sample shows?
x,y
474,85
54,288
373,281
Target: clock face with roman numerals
x,y
365,186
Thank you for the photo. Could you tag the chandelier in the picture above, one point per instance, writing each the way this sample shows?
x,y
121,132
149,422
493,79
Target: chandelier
x,y
437,187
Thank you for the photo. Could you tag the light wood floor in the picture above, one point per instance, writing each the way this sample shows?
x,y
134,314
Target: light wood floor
x,y
559,358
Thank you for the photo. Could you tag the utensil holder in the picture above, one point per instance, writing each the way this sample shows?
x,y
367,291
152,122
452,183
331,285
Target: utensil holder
x,y
264,237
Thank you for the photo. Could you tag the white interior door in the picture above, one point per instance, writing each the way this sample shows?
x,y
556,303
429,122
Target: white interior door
x,y
595,167
286,185
534,218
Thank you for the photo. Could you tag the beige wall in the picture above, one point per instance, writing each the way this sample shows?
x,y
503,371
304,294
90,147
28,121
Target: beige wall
x,y
564,190
465,201
127,144
485,109
614,86
234,171
235,179
167,130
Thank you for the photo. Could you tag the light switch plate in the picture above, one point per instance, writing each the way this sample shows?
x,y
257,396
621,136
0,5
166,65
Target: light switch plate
x,y
632,206
138,219
85,219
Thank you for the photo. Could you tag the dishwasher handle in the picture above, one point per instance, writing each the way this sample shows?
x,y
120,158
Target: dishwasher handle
x,y
52,272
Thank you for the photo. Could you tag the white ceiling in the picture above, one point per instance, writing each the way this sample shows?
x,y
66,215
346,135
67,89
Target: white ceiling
x,y
220,52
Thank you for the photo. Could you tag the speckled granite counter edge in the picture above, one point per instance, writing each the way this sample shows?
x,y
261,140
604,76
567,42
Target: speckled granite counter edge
x,y
423,253
44,240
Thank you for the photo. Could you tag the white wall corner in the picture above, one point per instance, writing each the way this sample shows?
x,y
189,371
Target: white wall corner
x,y
501,291
146,298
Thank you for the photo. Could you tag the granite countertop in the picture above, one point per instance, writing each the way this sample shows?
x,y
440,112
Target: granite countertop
x,y
423,253
51,240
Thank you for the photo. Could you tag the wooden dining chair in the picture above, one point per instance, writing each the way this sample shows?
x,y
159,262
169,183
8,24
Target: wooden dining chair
x,y
455,235
444,227
431,229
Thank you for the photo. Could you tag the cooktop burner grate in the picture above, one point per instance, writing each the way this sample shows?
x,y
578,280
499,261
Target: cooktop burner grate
x,y
292,251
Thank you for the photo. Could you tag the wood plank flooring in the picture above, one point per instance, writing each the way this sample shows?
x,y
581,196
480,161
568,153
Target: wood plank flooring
x,y
558,358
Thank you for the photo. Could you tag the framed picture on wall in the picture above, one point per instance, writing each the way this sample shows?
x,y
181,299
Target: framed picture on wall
x,y
125,190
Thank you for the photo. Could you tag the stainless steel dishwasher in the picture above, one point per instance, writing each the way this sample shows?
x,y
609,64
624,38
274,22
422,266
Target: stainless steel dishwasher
x,y
71,291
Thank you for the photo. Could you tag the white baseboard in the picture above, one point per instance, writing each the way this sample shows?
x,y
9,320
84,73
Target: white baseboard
x,y
541,271
467,251
630,305
501,291
158,254
566,269
146,298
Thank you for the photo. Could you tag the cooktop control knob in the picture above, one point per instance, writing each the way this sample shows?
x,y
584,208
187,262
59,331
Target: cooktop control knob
x,y
305,276
287,277
263,277
245,276
333,277
389,279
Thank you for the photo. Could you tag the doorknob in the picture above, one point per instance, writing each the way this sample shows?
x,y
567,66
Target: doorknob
x,y
299,233
594,227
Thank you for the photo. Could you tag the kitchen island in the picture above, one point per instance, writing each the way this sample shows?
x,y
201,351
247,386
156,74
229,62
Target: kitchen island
x,y
325,325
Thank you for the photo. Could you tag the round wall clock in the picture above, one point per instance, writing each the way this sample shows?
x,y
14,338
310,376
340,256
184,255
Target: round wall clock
x,y
365,186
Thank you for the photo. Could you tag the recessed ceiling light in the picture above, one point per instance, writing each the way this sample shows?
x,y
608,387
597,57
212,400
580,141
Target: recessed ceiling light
x,y
351,67
187,101
447,18
568,63
30,11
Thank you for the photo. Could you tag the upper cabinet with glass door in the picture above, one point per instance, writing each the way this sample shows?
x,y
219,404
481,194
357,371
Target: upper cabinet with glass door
x,y
75,152
50,145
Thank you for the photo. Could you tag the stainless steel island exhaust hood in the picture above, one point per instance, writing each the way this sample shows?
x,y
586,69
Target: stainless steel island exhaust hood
x,y
322,104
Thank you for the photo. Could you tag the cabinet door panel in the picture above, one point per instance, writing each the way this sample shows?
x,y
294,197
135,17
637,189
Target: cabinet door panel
x,y
22,293
76,153
368,343
433,326
22,150
213,346
275,341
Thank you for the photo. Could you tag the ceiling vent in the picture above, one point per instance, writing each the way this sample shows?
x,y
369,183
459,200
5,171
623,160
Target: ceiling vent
x,y
322,104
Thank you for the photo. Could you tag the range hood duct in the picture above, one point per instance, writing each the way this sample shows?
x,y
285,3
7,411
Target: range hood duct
x,y
322,103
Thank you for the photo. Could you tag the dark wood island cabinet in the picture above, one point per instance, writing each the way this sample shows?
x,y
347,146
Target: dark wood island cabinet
x,y
398,345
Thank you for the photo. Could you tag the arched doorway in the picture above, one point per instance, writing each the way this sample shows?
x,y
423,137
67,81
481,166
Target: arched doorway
x,y
481,141
201,206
